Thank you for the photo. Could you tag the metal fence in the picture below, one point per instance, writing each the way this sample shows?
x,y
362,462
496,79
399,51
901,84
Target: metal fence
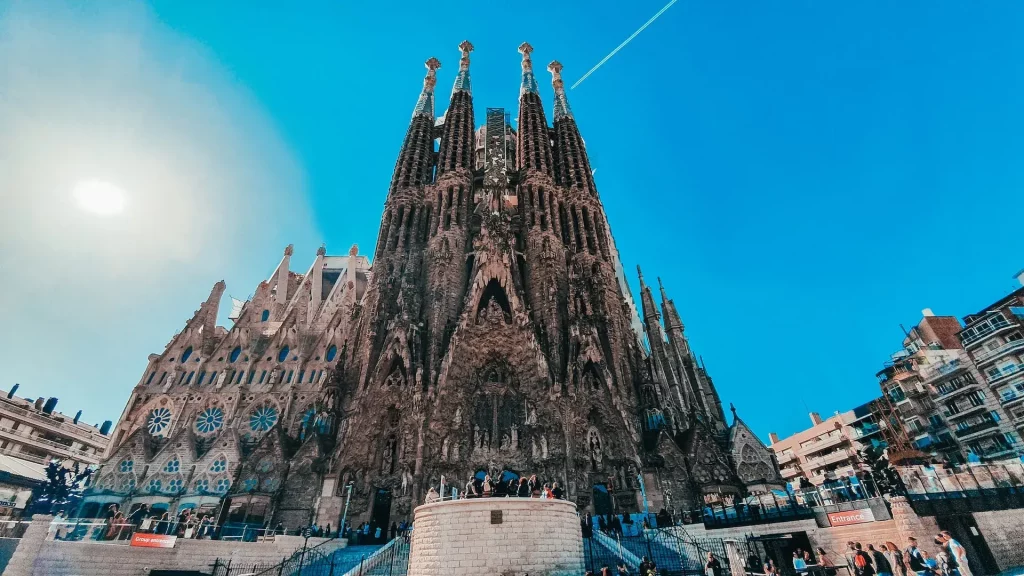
x,y
672,550
94,529
392,559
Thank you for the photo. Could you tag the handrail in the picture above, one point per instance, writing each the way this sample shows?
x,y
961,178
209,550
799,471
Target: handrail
x,y
624,554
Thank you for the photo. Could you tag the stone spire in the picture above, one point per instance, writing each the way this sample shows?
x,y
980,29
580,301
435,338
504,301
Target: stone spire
x,y
462,83
668,308
534,144
562,109
529,85
573,166
456,148
425,104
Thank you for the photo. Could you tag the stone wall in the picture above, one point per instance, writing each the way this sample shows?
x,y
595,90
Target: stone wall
x,y
507,536
1003,531
38,556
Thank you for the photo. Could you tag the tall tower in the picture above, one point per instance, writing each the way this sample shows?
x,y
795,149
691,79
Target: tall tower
x,y
451,200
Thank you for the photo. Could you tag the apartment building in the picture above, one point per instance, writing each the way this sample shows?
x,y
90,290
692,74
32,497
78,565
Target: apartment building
x,y
958,389
33,430
828,450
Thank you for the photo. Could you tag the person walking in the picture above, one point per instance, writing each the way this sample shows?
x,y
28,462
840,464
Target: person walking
x,y
862,561
882,567
799,564
524,488
487,486
915,558
850,555
944,559
826,563
957,552
557,491
895,558
712,567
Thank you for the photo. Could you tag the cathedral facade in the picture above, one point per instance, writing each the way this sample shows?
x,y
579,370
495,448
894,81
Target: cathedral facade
x,y
493,334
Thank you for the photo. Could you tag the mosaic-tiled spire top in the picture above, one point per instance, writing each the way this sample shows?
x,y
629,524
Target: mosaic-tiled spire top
x,y
425,104
562,109
462,82
529,85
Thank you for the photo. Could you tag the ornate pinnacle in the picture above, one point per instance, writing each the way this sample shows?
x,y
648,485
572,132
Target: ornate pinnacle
x,y
431,78
556,75
525,50
638,271
322,250
466,47
289,249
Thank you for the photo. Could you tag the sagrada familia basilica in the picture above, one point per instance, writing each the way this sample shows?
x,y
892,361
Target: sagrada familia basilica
x,y
493,334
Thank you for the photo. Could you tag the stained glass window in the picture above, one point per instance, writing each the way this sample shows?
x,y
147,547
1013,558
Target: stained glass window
x,y
263,418
250,484
219,465
202,485
210,420
127,465
223,484
174,485
234,354
283,354
331,353
173,465
186,354
154,485
158,421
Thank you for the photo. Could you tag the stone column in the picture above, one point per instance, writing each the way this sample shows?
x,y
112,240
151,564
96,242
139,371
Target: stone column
x,y
24,558
908,523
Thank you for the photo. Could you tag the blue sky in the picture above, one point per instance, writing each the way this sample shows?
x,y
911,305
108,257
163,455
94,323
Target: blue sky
x,y
804,176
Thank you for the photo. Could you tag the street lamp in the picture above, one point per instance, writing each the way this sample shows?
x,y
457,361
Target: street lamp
x,y
348,497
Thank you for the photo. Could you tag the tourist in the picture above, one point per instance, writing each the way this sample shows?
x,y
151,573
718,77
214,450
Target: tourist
x,y
586,528
807,557
895,558
957,552
394,530
327,531
470,489
606,571
523,491
851,554
712,567
622,569
753,563
545,493
862,561
486,486
931,563
799,564
770,570
512,487
432,495
915,558
882,566
826,563
944,558
647,567
556,491
601,524
534,486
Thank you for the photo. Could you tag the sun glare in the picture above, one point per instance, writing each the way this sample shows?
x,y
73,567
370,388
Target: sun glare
x,y
99,197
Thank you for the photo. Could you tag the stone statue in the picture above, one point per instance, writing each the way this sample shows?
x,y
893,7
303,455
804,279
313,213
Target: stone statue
x,y
444,449
505,442
543,446
273,377
515,437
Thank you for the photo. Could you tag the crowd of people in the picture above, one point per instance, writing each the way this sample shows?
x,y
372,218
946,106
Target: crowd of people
x,y
949,558
487,487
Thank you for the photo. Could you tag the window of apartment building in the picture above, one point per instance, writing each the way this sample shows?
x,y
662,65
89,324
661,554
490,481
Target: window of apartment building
x,y
914,425
897,395
935,421
1012,438
993,416
976,398
993,344
1015,336
1017,311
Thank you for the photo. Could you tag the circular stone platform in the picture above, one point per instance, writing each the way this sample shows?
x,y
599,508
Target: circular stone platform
x,y
492,536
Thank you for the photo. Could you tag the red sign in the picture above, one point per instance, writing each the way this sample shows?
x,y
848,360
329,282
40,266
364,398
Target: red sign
x,y
851,517
153,540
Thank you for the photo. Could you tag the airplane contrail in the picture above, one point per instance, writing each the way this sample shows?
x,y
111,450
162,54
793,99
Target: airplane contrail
x,y
623,45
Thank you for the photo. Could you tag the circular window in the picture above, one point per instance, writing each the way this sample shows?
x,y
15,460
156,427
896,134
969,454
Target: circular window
x,y
185,355
127,465
174,485
202,485
210,420
283,354
222,485
173,465
266,465
158,420
250,484
331,353
263,418
219,465
235,354
154,485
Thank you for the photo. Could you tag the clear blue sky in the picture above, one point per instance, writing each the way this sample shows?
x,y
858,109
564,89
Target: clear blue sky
x,y
804,176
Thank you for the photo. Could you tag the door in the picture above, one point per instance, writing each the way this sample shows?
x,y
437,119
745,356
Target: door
x,y
381,515
965,531
602,500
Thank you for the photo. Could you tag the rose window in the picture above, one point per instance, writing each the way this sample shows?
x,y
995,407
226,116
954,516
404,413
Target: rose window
x,y
158,421
222,485
219,465
263,418
127,465
209,420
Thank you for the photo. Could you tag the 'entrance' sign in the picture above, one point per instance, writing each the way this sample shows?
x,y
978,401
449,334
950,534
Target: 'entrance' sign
x,y
851,517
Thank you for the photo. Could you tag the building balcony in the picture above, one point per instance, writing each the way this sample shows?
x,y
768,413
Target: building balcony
x,y
93,439
791,472
822,444
1005,374
57,449
964,411
981,331
992,355
964,433
1011,397
866,430
785,458
837,456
